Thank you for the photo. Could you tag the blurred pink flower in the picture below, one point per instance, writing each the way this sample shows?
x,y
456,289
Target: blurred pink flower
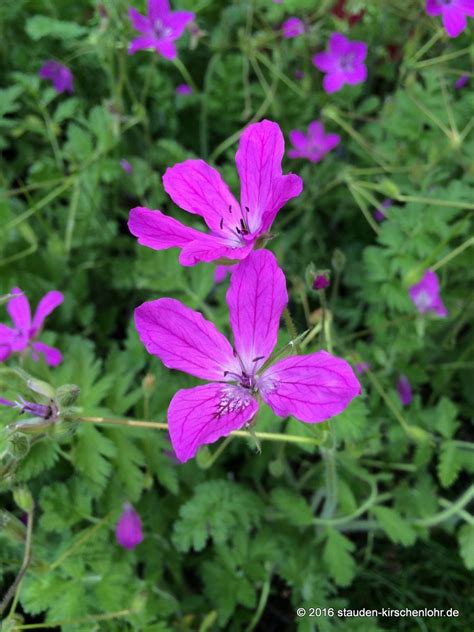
x,y
312,388
159,28
379,213
453,14
321,282
234,229
293,27
23,335
221,272
404,390
59,75
128,531
426,297
184,89
126,166
314,145
461,82
343,62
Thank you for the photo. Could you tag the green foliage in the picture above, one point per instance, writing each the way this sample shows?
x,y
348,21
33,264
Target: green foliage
x,y
240,544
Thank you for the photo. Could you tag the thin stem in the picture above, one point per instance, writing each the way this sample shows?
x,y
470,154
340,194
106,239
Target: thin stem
x,y
14,589
263,436
454,253
438,60
213,458
185,74
450,511
291,329
262,602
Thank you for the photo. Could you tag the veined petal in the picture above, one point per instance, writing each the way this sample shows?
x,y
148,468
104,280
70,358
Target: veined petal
x,y
312,388
158,231
47,304
19,310
196,187
52,356
184,340
210,248
285,188
203,414
256,297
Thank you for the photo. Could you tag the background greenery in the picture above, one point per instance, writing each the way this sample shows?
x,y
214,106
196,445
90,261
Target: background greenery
x,y
374,516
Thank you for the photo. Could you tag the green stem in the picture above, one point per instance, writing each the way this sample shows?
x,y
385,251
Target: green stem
x,y
454,253
291,329
186,74
262,602
450,511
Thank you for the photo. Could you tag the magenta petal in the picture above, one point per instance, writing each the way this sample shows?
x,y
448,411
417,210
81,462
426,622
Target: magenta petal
x,y
333,82
184,340
166,48
324,62
141,43
198,188
297,139
404,390
454,21
158,10
433,8
47,304
19,310
52,356
178,21
285,188
338,44
211,248
256,297
312,388
357,75
258,162
203,414
6,337
129,528
139,22
158,231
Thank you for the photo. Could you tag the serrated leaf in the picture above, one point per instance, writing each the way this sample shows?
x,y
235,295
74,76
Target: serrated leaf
x,y
294,507
41,26
466,545
337,555
397,529
449,463
91,455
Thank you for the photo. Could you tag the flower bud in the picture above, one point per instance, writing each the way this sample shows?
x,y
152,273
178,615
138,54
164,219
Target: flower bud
x,y
23,498
129,528
321,282
67,394
338,260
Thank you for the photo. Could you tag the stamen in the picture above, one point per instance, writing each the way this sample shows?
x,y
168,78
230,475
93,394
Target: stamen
x,y
258,358
230,208
222,223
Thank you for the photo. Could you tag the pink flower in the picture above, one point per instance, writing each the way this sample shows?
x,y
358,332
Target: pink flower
x,y
343,63
312,388
159,29
59,75
129,528
425,295
321,282
126,166
293,27
234,230
314,145
221,272
453,13
23,335
404,390
184,89
379,213
461,82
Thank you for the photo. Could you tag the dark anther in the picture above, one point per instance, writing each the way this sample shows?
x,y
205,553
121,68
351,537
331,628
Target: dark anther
x,y
258,358
238,230
247,209
222,223
226,373
230,208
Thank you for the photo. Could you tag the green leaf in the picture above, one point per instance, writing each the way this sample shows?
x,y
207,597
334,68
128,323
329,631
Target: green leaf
x,y
226,589
449,463
337,556
466,545
445,418
42,456
90,455
41,26
294,507
397,529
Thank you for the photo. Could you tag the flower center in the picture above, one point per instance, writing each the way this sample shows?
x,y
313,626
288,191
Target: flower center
x,y
161,31
347,62
232,401
239,226
423,300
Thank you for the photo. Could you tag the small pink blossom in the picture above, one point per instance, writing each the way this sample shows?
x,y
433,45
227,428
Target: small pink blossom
x,y
23,334
233,229
362,367
343,62
293,27
184,89
404,390
426,297
126,166
128,531
453,14
314,145
159,29
461,82
311,388
379,213
59,75
321,282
